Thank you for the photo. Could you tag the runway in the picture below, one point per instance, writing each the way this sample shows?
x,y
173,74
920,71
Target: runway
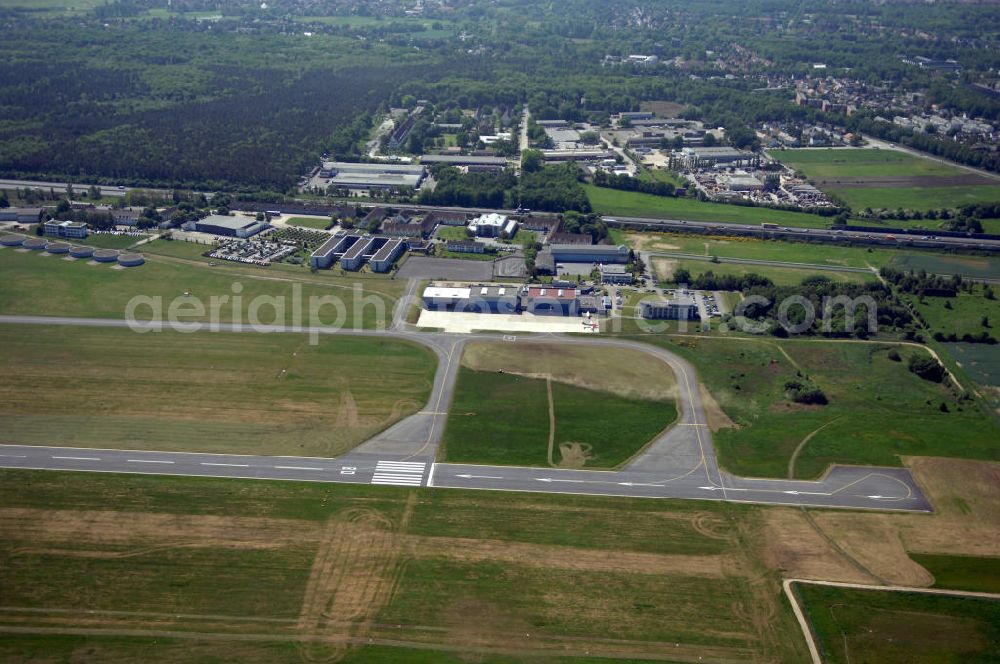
x,y
680,463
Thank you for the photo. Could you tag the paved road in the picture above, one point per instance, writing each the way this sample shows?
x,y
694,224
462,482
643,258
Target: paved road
x,y
680,463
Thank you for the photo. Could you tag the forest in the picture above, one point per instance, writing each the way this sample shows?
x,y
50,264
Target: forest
x,y
147,93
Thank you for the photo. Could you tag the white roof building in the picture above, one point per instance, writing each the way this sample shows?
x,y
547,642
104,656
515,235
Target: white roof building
x,y
493,225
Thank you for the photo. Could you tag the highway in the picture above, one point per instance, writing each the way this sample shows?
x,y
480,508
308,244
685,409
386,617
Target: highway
x,y
680,463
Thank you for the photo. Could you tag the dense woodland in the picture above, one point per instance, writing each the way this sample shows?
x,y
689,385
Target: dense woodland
x,y
139,92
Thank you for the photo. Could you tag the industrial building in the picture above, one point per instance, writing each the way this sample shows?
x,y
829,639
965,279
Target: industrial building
x,y
701,157
217,224
70,229
595,253
383,259
372,175
472,299
493,225
679,309
615,274
577,155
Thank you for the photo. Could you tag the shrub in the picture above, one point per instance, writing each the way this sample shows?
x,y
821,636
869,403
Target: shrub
x,y
927,368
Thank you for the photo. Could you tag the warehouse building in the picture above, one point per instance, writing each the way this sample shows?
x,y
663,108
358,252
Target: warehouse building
x,y
217,224
70,229
702,157
680,309
596,253
384,258
21,215
372,175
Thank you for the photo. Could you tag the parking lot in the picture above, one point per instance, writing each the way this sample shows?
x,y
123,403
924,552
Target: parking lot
x,y
253,252
425,267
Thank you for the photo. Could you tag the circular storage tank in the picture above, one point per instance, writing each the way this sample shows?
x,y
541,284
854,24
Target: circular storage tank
x,y
81,252
131,260
35,243
58,247
106,255
11,240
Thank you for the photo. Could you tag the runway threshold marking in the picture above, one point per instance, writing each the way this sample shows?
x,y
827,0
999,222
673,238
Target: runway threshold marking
x,y
399,473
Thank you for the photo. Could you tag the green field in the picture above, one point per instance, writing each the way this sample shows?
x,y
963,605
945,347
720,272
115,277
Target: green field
x,y
967,266
781,276
205,392
50,286
218,570
960,314
860,163
309,222
980,361
962,572
866,626
499,418
635,204
452,233
836,170
918,198
878,410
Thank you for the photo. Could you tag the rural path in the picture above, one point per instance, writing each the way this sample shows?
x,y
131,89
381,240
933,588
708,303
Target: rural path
x,y
680,463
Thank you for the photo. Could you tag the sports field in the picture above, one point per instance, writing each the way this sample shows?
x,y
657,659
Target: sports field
x,y
760,431
546,404
890,179
636,204
871,626
205,392
38,284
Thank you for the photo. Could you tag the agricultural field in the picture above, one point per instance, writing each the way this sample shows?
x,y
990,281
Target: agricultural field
x,y
874,178
569,406
861,626
37,284
224,568
636,204
760,432
273,394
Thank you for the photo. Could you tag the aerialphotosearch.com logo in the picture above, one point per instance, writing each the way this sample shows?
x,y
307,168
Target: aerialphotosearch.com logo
x,y
316,315
795,314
